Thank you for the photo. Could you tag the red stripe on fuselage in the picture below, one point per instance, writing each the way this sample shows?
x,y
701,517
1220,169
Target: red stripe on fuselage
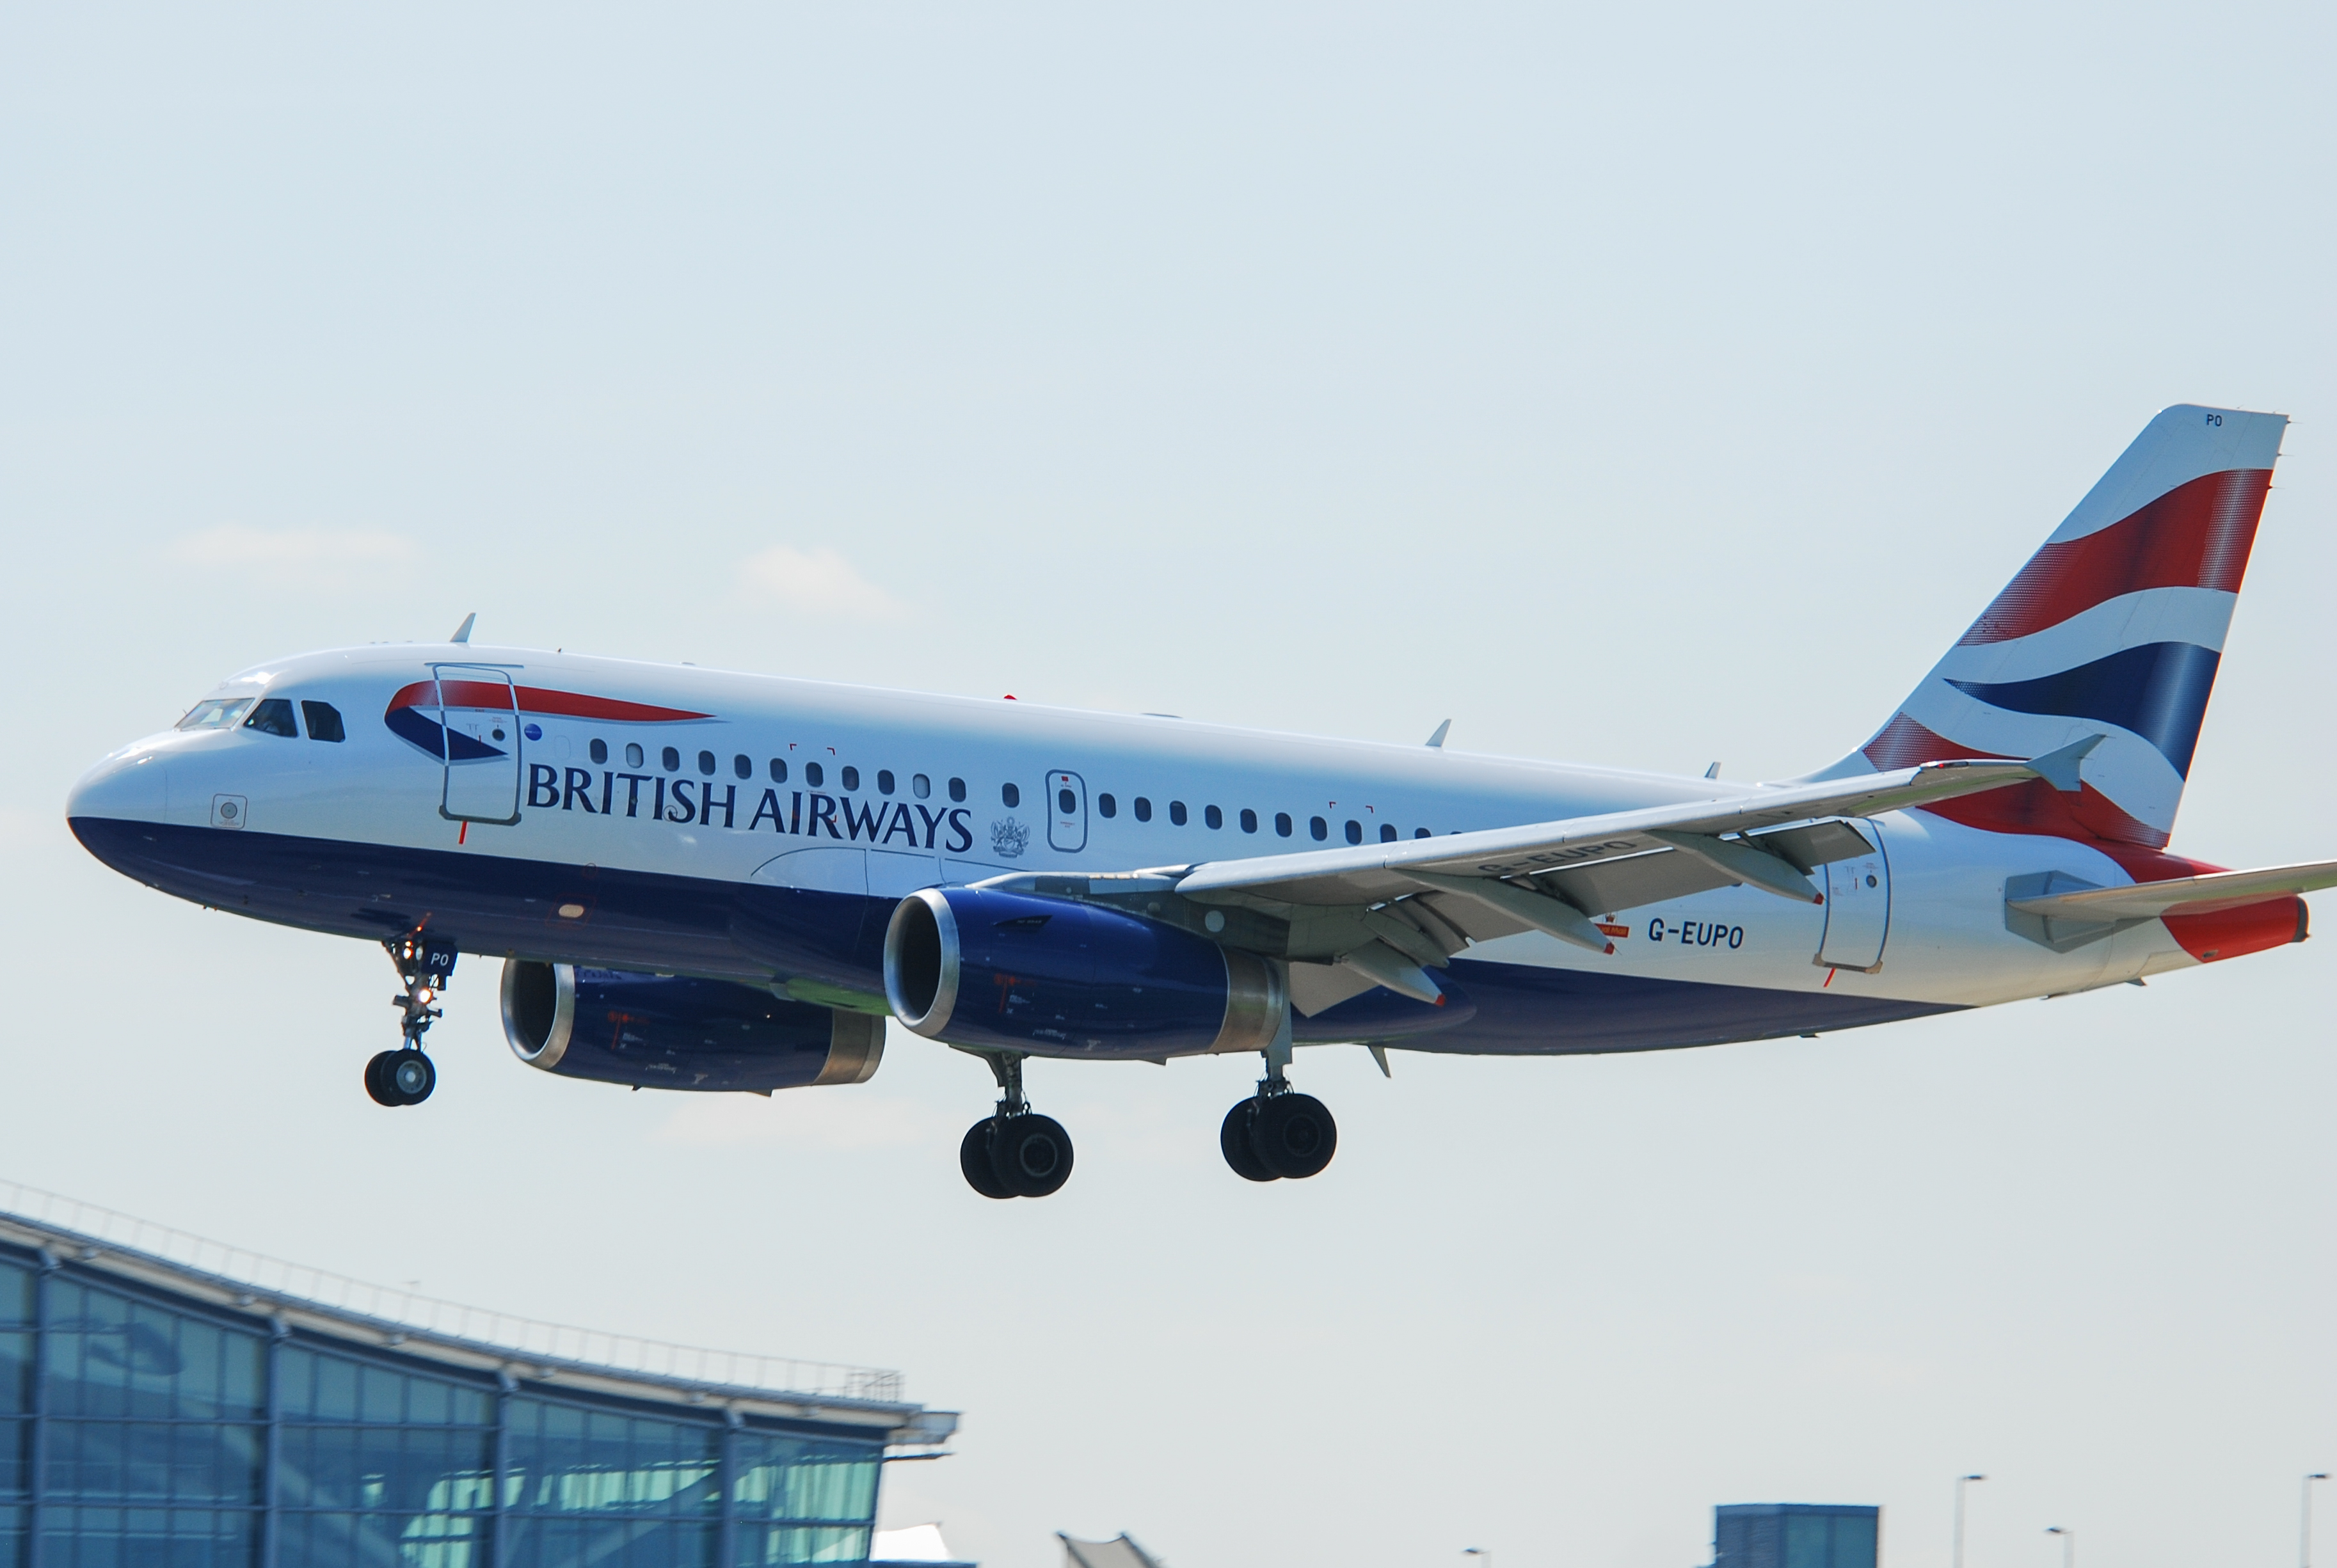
x,y
2196,535
488,694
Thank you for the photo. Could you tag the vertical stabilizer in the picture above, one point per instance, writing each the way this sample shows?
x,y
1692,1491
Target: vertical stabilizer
x,y
2115,627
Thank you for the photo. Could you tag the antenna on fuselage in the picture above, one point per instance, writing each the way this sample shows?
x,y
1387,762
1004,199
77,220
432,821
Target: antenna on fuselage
x,y
1437,740
463,632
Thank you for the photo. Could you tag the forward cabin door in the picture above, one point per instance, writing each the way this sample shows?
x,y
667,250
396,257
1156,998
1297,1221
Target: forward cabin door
x,y
479,714
1858,906
1067,811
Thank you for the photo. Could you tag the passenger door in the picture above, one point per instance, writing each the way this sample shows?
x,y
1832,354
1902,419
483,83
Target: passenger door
x,y
479,712
1858,906
1067,811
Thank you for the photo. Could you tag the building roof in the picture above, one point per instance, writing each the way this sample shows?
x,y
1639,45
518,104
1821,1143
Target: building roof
x,y
469,1338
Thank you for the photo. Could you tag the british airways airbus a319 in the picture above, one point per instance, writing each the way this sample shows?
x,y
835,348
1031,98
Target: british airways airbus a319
x,y
712,882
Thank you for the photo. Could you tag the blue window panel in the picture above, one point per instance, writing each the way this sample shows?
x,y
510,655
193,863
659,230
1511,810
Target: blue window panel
x,y
16,1372
107,1355
108,1537
564,1460
154,1462
16,1293
554,1542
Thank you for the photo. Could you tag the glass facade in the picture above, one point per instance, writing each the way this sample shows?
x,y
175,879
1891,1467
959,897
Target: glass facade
x,y
1796,1535
138,1429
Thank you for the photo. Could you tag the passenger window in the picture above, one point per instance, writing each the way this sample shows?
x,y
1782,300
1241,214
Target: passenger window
x,y
1009,794
217,713
1107,806
779,770
814,774
1319,828
706,763
272,715
600,750
1213,816
1355,831
851,776
323,721
1066,803
672,760
1248,820
1282,824
884,781
632,755
1176,813
957,789
743,766
1388,834
1420,832
1143,809
920,785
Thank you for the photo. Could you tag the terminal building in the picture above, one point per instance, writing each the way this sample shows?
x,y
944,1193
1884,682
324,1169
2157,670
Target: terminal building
x,y
1796,1535
167,1401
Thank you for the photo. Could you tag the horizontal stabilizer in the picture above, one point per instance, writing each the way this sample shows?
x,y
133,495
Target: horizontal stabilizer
x,y
2198,895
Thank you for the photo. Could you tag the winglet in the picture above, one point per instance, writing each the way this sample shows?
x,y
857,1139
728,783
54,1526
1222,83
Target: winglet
x,y
2060,768
463,632
1444,729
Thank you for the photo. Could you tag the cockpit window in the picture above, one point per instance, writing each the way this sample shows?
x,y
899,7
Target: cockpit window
x,y
325,721
215,713
273,715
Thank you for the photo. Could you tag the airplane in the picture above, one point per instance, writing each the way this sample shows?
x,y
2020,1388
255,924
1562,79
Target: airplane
x,y
706,880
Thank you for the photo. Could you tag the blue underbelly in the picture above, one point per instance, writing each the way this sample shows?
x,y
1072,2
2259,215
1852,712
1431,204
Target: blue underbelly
x,y
753,932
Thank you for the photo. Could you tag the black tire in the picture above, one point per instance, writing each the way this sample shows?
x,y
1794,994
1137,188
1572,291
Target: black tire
x,y
409,1076
1294,1135
1234,1143
376,1080
1032,1155
974,1160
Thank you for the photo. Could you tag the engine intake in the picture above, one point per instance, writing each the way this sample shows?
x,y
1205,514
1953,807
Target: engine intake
x,y
982,967
670,1032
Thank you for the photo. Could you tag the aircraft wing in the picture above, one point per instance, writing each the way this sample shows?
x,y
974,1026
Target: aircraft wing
x,y
2196,895
1386,914
1725,837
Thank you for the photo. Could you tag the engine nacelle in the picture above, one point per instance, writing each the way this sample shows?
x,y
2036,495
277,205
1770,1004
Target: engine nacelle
x,y
982,966
669,1032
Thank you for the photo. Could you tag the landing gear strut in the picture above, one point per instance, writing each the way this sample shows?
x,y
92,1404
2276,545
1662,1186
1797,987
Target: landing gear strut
x,y
406,1077
1015,1153
1278,1132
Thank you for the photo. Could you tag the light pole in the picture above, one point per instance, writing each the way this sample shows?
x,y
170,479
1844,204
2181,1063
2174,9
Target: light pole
x,y
2304,1530
2069,1544
1961,1480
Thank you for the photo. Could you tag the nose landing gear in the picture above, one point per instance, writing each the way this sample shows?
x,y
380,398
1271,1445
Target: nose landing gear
x,y
406,1077
1016,1152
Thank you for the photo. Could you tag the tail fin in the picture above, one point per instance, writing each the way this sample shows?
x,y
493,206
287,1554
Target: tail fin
x,y
2115,627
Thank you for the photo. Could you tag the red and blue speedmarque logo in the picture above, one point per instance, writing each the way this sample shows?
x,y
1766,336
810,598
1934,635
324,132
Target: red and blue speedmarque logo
x,y
414,716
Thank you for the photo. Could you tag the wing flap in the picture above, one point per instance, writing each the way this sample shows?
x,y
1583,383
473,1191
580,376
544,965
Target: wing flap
x,y
2198,895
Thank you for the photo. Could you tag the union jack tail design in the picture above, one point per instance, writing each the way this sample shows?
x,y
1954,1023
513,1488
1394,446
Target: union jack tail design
x,y
2115,629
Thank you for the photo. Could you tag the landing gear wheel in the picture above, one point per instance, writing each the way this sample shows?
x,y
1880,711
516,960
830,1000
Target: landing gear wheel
x,y
376,1080
410,1076
1032,1155
1294,1134
1234,1141
973,1159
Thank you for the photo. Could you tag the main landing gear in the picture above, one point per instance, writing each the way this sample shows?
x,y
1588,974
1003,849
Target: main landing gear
x,y
1015,1153
1278,1132
406,1077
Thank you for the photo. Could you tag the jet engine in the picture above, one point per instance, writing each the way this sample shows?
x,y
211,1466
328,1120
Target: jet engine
x,y
1023,971
671,1032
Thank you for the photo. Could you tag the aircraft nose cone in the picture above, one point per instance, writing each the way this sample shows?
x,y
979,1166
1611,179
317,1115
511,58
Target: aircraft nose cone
x,y
132,786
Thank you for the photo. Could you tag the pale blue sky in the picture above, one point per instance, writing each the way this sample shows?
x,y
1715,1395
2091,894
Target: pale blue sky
x,y
1633,387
